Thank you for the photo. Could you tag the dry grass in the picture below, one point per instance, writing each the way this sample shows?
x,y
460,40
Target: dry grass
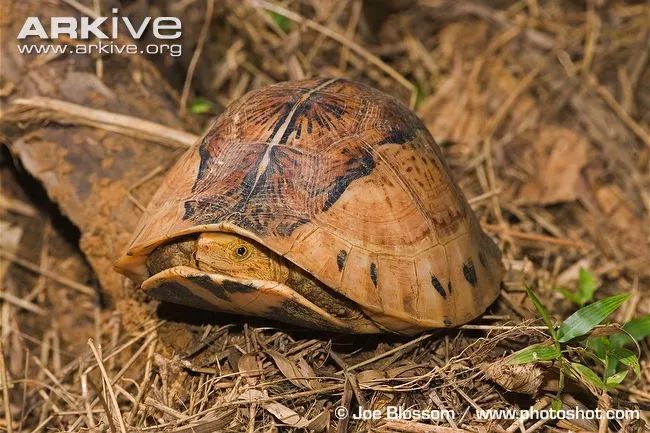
x,y
542,110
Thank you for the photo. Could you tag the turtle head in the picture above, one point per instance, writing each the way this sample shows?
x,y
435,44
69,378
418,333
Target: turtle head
x,y
228,272
233,255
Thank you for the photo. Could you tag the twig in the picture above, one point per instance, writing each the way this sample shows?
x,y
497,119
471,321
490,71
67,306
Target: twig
x,y
22,303
108,385
164,409
485,195
68,113
417,427
48,274
153,173
620,112
494,122
17,206
498,327
203,35
45,422
389,352
81,8
109,418
345,41
5,390
536,237
519,423
349,32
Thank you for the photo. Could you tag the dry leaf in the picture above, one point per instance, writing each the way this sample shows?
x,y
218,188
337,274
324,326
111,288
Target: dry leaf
x,y
627,228
461,110
320,422
616,207
309,372
290,370
368,376
248,366
280,411
9,239
554,162
525,379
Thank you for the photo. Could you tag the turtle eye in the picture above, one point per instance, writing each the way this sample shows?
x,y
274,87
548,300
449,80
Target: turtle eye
x,y
242,252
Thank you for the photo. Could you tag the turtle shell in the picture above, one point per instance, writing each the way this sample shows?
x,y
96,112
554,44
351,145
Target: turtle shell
x,y
345,182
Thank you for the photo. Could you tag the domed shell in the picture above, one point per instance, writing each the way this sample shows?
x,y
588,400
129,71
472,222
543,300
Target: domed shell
x,y
345,182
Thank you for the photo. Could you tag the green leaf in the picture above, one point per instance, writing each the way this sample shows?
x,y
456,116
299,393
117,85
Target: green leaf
x,y
200,105
584,292
637,329
568,294
627,358
598,346
535,353
586,318
586,286
556,404
615,379
542,312
281,21
588,375
420,94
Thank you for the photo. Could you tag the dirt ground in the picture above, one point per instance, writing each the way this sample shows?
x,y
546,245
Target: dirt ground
x,y
541,108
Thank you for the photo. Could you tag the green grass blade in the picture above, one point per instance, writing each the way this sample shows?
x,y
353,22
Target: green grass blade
x,y
542,312
200,105
586,318
637,329
588,375
598,346
282,22
615,379
534,353
627,358
569,295
586,286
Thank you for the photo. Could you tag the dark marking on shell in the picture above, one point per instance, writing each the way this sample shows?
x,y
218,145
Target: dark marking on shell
x,y
482,258
246,185
204,153
355,169
447,323
313,110
340,259
176,293
449,287
373,273
189,210
286,227
438,286
398,136
469,272
251,186
300,315
221,290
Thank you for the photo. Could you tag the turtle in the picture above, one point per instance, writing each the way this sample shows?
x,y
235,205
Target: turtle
x,y
322,203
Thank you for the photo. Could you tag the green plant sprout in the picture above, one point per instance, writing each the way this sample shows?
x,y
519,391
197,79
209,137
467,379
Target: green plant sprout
x,y
578,335
200,105
281,21
585,291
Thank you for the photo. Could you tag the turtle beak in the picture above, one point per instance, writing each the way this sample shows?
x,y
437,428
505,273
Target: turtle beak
x,y
133,267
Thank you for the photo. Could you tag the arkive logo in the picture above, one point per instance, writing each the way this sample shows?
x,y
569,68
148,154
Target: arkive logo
x,y
86,27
